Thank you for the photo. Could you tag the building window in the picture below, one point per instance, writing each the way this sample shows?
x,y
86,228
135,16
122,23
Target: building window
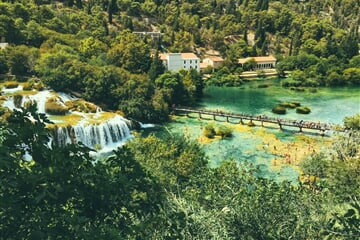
x,y
195,61
190,61
190,66
184,61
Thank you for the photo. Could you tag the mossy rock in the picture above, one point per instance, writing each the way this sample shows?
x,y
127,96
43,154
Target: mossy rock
x,y
81,106
303,110
33,83
285,104
290,104
54,108
91,107
27,87
17,100
279,110
10,85
295,104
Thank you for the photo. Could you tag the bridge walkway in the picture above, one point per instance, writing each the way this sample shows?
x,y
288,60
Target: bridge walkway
x,y
301,124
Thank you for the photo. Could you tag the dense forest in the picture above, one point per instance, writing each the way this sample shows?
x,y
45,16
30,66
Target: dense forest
x,y
155,188
89,47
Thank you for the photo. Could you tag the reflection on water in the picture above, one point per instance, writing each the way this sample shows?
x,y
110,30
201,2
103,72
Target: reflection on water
x,y
275,153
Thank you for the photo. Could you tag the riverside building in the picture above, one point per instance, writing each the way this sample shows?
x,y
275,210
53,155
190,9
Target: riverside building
x,y
177,61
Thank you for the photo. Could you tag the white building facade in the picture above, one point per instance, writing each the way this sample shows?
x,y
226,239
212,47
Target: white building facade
x,y
212,61
177,61
264,62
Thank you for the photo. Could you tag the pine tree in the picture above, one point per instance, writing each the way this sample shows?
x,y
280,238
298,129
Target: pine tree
x,y
156,68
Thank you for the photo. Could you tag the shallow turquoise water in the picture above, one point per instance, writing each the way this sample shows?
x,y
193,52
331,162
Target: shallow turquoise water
x,y
327,105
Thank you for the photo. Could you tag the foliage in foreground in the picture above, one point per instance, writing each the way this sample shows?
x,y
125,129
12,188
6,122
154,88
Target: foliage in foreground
x,y
163,189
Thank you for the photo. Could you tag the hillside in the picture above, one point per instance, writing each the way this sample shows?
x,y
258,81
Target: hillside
x,y
88,47
164,187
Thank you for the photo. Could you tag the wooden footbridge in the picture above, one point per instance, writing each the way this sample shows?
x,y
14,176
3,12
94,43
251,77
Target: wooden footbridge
x,y
322,127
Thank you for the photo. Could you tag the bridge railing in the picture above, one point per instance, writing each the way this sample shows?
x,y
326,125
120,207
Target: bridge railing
x,y
263,118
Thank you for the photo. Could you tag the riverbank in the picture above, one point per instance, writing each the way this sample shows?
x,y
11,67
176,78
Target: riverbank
x,y
255,75
276,153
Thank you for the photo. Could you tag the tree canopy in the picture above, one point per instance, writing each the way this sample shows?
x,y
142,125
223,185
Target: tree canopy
x,y
162,188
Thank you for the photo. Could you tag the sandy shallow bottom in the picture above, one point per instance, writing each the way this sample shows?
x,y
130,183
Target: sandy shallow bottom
x,y
274,152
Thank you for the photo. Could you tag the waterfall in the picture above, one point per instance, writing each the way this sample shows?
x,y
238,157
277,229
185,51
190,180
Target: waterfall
x,y
40,98
104,136
11,90
101,131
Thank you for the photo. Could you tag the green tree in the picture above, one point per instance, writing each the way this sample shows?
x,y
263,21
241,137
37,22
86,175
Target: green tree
x,y
3,62
90,48
352,122
53,67
352,75
60,192
344,225
355,61
174,160
130,53
21,59
209,131
33,34
156,68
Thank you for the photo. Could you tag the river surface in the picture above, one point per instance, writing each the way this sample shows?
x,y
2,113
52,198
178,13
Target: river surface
x,y
275,153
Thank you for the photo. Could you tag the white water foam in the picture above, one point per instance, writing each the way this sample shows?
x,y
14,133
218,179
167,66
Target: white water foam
x,y
105,135
11,90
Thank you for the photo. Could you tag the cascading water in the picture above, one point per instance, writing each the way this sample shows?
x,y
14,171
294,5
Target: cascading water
x,y
93,129
106,135
40,98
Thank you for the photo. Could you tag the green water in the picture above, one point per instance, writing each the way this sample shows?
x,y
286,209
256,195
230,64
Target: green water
x,y
329,105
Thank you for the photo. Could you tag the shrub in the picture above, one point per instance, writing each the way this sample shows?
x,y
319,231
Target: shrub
x,y
209,131
224,131
303,110
279,110
352,122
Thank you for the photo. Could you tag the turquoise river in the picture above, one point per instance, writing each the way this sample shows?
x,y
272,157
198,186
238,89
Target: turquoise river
x,y
275,153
